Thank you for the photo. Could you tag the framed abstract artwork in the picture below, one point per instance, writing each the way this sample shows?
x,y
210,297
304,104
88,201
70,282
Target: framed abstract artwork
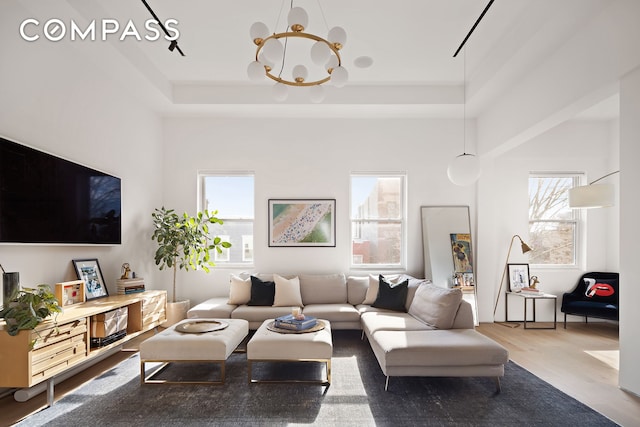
x,y
89,271
302,222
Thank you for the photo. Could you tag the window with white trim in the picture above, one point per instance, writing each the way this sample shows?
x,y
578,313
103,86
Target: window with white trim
x,y
553,225
378,218
232,195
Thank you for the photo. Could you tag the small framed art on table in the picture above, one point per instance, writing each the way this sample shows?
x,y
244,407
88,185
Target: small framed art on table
x,y
89,271
518,276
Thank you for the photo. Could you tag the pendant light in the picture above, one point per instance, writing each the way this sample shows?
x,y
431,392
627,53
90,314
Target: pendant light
x,y
464,169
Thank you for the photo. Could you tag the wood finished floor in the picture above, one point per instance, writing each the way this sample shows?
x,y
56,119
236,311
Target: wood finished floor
x,y
581,361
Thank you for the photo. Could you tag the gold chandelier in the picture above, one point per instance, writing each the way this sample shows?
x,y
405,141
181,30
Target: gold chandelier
x,y
272,50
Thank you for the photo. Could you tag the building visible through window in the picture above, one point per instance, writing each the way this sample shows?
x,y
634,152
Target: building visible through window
x,y
377,220
232,195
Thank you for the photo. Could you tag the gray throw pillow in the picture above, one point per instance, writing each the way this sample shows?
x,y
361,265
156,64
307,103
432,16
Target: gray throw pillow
x,y
436,306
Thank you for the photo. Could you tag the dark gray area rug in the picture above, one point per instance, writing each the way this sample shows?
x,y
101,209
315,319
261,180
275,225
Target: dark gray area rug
x,y
356,397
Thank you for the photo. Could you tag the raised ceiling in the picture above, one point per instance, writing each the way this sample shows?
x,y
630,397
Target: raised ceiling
x,y
411,43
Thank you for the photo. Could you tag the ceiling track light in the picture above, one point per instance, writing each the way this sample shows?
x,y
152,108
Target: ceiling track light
x,y
174,43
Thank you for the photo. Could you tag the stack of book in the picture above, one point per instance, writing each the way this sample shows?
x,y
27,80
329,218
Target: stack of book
x,y
130,286
290,322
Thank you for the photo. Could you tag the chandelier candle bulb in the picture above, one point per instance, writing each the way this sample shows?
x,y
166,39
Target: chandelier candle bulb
x,y
256,71
338,37
300,73
339,76
258,32
320,53
280,92
298,19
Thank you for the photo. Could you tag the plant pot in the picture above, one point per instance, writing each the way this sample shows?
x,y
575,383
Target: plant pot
x,y
176,311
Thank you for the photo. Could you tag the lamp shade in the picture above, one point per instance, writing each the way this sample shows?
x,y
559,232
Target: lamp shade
x,y
591,196
464,169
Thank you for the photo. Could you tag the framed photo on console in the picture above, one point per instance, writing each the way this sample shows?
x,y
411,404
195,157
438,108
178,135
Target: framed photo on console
x,y
302,222
89,271
518,276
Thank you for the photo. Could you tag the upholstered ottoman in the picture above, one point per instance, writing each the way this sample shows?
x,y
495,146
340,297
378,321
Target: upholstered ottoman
x,y
269,346
171,346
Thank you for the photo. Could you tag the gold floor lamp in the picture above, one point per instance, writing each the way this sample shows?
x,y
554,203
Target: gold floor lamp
x,y
525,248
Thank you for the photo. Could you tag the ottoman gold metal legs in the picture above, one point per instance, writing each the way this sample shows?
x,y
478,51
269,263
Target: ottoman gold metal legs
x,y
326,381
149,379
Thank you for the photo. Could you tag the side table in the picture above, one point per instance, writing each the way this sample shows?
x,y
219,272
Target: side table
x,y
532,296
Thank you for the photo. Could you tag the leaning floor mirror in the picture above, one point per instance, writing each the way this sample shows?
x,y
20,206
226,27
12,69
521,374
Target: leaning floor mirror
x,y
448,250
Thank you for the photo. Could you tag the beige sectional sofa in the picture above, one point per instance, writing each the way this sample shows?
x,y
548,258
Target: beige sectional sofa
x,y
432,335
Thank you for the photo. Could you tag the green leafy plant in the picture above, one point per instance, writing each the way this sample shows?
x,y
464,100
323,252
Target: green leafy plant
x,y
28,307
184,242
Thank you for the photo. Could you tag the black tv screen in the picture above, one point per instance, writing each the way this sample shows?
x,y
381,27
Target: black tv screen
x,y
46,199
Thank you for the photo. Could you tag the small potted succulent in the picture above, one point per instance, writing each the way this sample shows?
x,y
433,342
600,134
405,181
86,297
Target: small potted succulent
x,y
184,243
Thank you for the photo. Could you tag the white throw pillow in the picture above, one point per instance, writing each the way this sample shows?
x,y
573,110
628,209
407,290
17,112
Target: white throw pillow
x,y
240,290
436,306
374,285
287,292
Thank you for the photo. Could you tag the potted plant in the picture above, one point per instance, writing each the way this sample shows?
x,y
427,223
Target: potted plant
x,y
184,243
28,307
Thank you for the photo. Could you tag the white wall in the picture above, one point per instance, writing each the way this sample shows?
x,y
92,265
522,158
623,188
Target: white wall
x,y
629,207
54,100
575,146
306,158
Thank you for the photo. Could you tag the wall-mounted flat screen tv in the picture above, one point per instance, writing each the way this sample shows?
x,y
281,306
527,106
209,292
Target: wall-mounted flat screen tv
x,y
46,199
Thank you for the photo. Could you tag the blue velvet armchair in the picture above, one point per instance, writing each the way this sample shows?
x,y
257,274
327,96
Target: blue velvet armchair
x,y
595,295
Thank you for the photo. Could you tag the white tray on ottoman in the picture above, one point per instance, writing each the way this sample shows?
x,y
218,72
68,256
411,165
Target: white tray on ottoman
x,y
266,345
193,346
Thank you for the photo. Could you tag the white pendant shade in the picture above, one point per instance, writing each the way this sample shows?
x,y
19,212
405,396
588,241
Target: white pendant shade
x,y
273,50
258,30
464,169
592,196
280,92
339,76
332,62
320,52
337,35
264,61
255,71
300,72
298,15
316,94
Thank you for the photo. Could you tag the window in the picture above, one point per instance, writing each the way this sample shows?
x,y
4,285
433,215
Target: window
x,y
553,226
232,196
377,220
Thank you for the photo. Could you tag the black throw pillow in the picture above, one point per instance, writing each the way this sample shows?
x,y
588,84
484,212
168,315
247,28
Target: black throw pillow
x,y
392,297
262,293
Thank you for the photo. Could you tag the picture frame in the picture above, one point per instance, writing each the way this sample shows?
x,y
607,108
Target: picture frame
x,y
518,276
89,271
302,222
70,293
461,252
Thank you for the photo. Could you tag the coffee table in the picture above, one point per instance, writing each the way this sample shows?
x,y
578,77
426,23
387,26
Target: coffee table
x,y
270,346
